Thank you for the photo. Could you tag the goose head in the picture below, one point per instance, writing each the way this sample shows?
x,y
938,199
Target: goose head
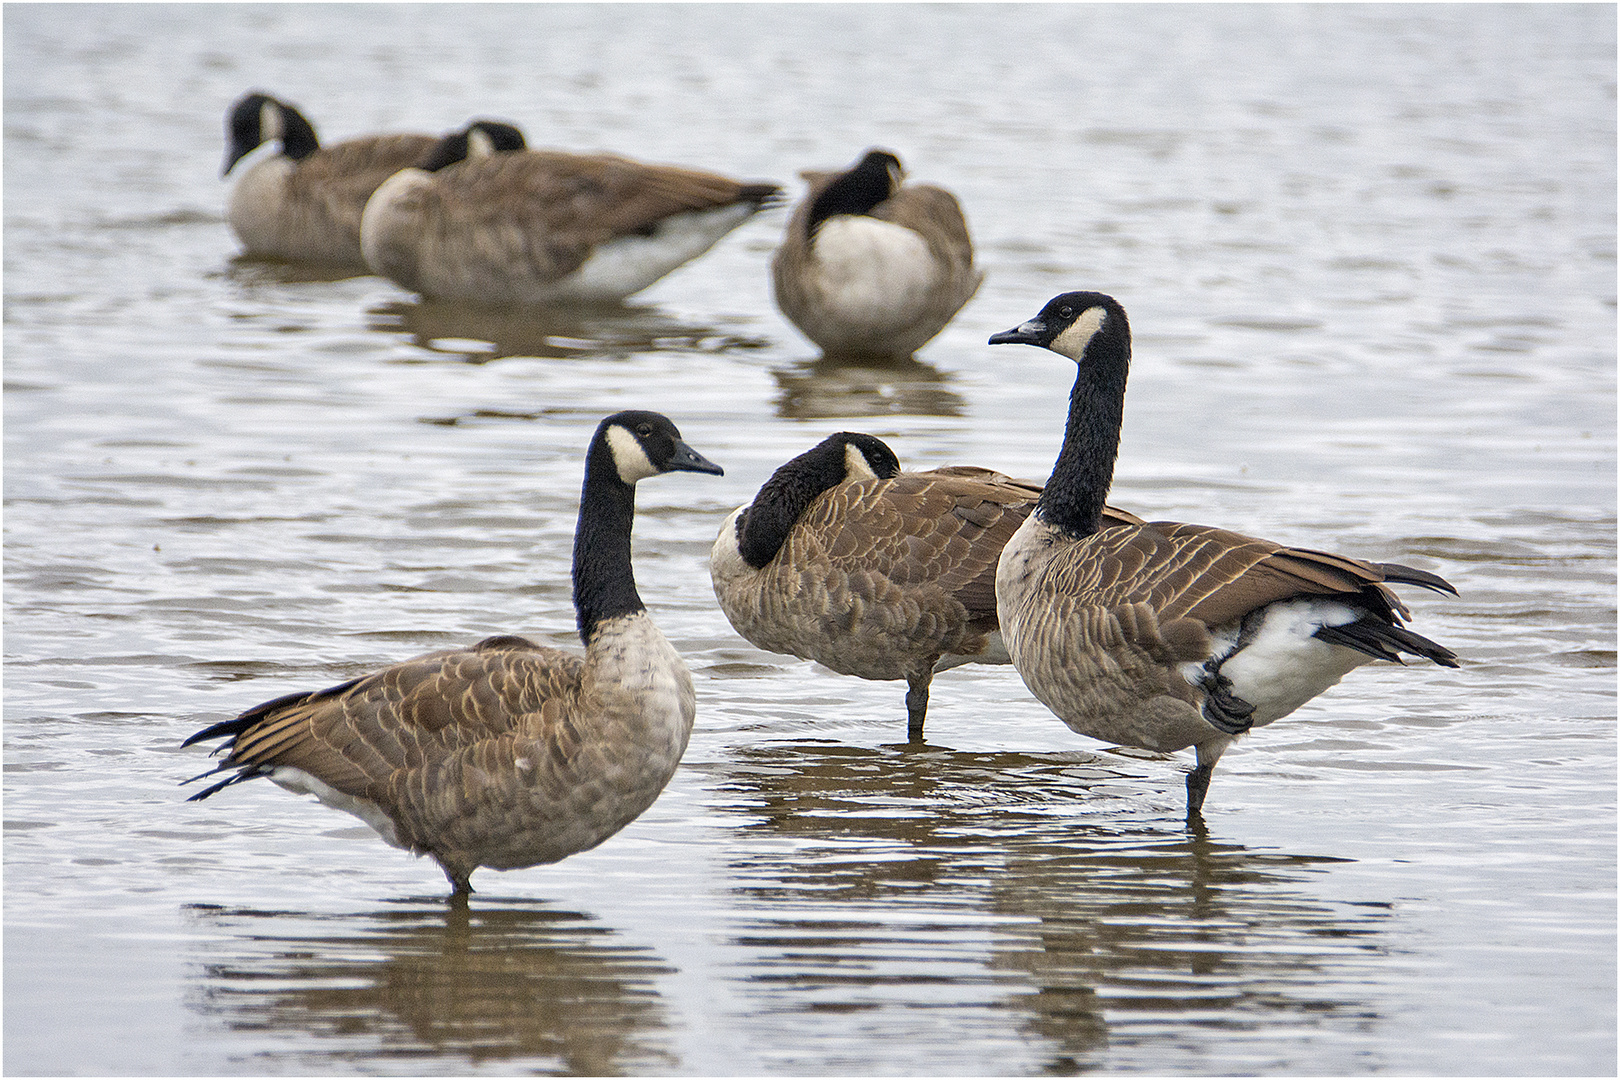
x,y
1072,325
479,139
845,457
871,181
258,118
1090,329
642,444
863,457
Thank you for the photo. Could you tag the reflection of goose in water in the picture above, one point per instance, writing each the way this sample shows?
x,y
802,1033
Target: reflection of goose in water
x,y
823,388
989,881
477,333
441,987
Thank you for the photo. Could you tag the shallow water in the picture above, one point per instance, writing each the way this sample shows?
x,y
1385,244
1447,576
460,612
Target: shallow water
x,y
1368,254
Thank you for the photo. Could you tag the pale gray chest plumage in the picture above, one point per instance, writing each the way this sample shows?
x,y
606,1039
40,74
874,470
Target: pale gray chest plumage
x,y
570,784
1101,668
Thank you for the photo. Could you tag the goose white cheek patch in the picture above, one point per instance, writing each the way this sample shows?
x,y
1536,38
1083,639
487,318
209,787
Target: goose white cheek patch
x,y
856,467
628,456
1073,341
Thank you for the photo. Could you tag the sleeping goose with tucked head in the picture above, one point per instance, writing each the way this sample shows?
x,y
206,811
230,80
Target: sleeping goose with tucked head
x,y
845,560
1163,635
872,267
544,226
506,754
304,202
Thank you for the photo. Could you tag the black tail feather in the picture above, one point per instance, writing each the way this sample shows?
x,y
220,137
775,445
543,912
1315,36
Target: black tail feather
x,y
240,775
234,727
1386,641
1406,575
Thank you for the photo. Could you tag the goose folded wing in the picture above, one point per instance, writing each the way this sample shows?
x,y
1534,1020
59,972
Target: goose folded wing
x,y
344,175
1217,576
357,736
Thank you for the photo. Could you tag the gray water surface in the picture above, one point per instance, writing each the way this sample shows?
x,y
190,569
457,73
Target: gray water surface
x,y
1368,255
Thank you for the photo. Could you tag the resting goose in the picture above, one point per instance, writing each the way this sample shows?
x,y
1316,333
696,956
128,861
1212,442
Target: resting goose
x,y
507,754
304,203
845,560
543,226
1162,635
870,268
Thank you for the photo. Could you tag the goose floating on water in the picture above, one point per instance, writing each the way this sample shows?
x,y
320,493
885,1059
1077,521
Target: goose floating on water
x,y
872,267
845,560
544,226
304,202
1163,635
507,754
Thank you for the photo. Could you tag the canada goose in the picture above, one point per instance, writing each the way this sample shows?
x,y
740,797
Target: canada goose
x,y
845,560
508,754
1163,635
870,268
542,226
304,203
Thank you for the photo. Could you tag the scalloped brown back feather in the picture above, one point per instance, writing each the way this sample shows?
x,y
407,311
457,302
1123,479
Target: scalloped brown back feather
x,y
564,205
882,578
1213,575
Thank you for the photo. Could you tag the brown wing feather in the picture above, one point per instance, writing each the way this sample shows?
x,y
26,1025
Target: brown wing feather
x,y
341,177
932,534
1209,574
419,712
559,206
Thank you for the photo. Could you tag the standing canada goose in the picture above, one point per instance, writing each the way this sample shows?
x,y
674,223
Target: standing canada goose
x,y
304,203
845,560
1163,635
543,226
870,268
508,754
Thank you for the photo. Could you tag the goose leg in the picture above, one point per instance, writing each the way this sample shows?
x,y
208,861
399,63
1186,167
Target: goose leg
x,y
460,880
1198,780
1225,709
1197,787
917,703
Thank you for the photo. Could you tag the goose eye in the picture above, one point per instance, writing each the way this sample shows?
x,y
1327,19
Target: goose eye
x,y
644,429
1066,312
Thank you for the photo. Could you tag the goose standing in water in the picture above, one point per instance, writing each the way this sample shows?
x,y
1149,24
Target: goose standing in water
x,y
543,226
304,203
871,267
845,560
507,754
1164,635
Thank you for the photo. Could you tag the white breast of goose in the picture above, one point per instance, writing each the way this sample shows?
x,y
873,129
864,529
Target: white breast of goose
x,y
874,272
391,226
753,607
726,564
258,204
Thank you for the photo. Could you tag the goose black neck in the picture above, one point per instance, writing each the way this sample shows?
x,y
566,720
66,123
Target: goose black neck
x,y
764,526
604,583
1078,487
298,139
858,191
